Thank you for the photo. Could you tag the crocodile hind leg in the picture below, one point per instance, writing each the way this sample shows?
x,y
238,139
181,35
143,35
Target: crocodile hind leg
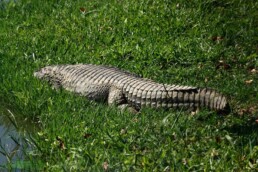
x,y
116,97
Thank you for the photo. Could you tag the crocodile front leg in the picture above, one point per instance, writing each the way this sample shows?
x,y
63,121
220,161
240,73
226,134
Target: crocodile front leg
x,y
116,97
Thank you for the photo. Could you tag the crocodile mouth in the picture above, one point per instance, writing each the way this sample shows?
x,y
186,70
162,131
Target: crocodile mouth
x,y
38,74
42,72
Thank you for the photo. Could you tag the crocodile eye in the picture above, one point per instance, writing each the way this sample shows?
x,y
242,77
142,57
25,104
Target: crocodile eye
x,y
43,71
46,70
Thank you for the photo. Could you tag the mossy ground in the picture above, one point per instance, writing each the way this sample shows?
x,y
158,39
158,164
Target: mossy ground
x,y
209,44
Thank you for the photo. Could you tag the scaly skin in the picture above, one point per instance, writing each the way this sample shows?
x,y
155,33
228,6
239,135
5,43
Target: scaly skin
x,y
125,89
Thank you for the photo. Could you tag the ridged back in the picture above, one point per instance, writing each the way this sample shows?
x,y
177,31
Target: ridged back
x,y
97,74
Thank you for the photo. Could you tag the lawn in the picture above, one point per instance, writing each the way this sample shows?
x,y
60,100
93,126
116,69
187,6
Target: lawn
x,y
199,43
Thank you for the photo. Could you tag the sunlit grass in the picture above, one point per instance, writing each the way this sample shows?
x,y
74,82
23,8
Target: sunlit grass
x,y
209,44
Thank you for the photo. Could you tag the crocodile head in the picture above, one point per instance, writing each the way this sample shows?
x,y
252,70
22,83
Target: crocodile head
x,y
44,72
50,74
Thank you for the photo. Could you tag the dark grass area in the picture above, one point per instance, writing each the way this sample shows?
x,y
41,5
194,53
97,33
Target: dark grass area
x,y
208,44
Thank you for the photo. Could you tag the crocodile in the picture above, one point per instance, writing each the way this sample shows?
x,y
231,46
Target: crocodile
x,y
128,90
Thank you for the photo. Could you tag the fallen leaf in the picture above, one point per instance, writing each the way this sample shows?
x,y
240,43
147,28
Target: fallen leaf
x,y
248,110
82,10
123,131
214,153
61,143
184,161
105,166
249,81
86,135
217,38
253,71
222,65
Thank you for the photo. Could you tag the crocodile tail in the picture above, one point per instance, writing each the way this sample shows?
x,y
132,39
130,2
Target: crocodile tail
x,y
211,99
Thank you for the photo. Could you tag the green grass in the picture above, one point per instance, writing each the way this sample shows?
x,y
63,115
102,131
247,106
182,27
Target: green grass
x,y
209,44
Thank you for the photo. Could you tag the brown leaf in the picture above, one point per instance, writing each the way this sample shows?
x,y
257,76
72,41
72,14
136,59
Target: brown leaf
x,y
222,65
184,161
123,131
249,81
105,166
61,143
248,110
58,138
253,71
83,10
214,153
86,135
217,38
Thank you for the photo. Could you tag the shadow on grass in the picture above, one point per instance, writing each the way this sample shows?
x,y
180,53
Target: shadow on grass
x,y
245,128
